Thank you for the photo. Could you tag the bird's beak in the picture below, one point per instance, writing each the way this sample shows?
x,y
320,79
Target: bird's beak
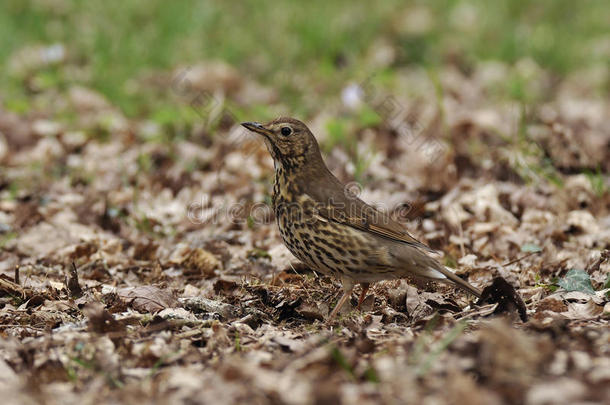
x,y
256,127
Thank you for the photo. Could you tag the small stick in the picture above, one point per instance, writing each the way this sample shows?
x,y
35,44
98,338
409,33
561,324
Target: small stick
x,y
519,259
16,277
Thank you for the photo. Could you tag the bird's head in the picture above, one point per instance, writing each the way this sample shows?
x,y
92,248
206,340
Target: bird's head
x,y
289,141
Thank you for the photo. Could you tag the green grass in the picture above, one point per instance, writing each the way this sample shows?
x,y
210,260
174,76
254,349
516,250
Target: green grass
x,y
112,44
426,351
118,42
598,182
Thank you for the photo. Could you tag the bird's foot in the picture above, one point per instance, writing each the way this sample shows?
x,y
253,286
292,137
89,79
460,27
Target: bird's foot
x,y
340,303
365,289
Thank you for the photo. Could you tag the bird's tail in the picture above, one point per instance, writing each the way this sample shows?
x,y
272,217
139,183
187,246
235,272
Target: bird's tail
x,y
453,279
426,266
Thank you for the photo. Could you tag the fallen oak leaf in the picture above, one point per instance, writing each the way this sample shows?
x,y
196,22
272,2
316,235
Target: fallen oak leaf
x,y
147,298
582,311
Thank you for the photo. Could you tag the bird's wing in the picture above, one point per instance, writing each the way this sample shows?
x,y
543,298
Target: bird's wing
x,y
334,204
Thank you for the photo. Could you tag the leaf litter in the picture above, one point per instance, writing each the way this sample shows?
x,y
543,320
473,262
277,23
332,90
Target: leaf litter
x,y
124,275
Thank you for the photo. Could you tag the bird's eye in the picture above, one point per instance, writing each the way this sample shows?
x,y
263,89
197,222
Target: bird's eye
x,y
286,131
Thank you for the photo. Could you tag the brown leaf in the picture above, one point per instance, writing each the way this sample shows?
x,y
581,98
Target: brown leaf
x,y
196,262
588,310
147,298
100,320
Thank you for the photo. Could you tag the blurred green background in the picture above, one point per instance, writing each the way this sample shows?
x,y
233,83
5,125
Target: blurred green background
x,y
292,47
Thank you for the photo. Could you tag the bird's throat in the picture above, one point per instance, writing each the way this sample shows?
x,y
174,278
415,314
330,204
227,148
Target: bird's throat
x,y
286,186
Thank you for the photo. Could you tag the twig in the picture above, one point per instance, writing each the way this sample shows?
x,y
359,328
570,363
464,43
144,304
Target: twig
x,y
16,278
10,287
9,325
519,259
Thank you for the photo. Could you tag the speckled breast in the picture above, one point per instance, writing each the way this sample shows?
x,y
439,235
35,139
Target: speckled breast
x,y
327,247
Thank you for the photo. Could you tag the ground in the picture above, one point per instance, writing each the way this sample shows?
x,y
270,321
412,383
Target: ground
x,y
140,260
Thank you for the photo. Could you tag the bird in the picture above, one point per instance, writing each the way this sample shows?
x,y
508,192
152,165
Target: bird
x,y
329,228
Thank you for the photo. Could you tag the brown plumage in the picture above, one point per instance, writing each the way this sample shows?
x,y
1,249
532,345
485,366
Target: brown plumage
x,y
330,229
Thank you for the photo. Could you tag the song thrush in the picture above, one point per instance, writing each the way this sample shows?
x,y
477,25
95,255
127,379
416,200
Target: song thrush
x,y
329,228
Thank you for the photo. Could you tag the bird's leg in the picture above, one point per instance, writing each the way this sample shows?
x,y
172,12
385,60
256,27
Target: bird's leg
x,y
365,288
348,287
